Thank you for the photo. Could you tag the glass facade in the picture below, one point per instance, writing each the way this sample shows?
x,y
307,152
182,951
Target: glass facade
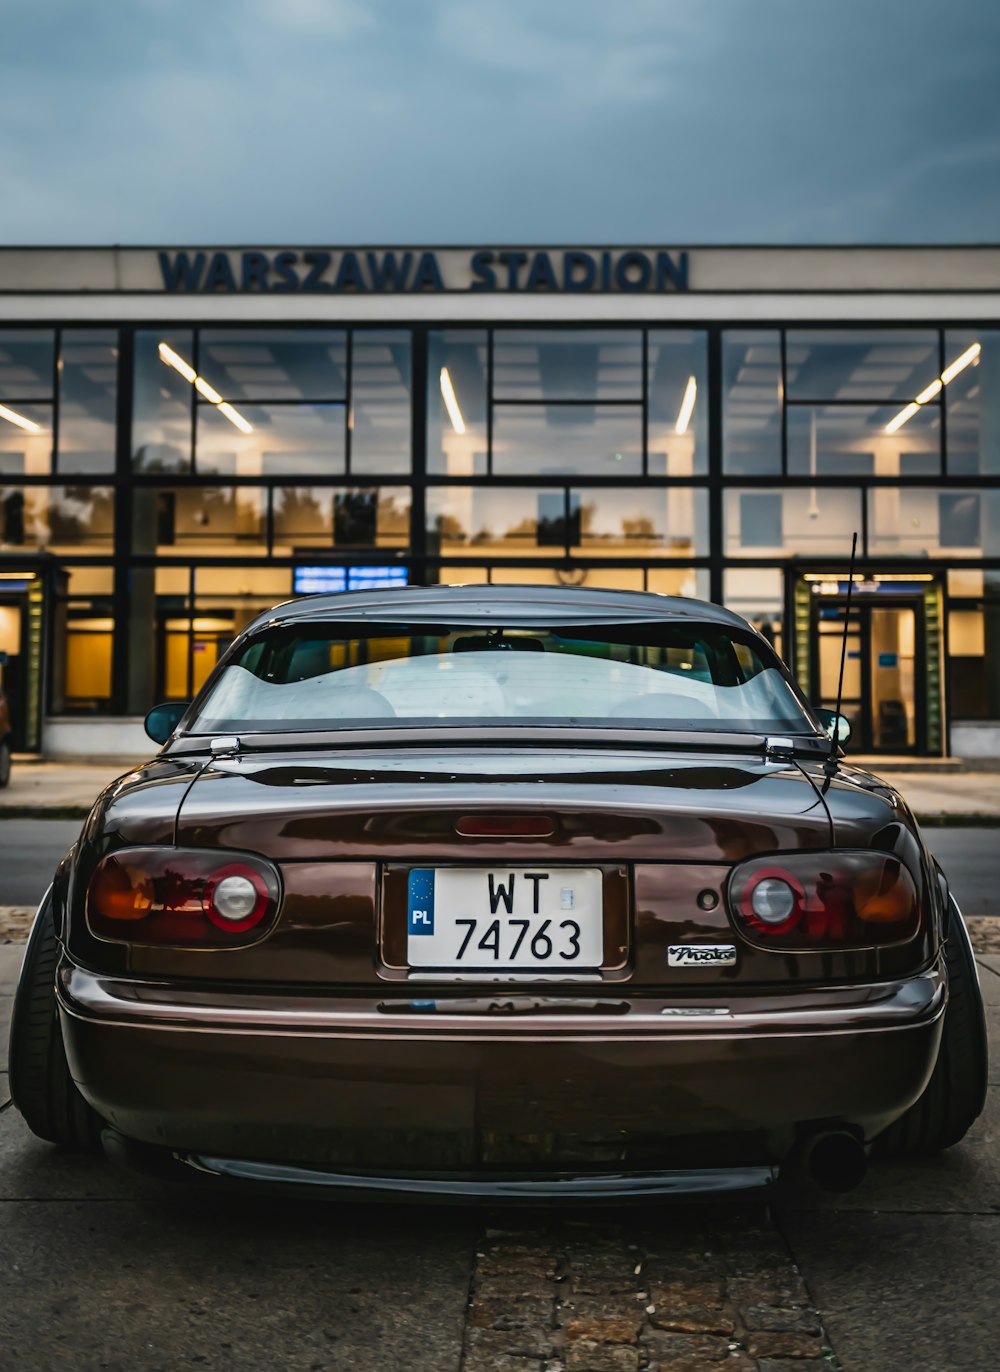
x,y
174,478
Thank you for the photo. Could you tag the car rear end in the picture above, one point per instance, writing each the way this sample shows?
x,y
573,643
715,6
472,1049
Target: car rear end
x,y
551,957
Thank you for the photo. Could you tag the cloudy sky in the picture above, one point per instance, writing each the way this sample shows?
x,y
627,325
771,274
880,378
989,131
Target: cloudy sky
x,y
487,121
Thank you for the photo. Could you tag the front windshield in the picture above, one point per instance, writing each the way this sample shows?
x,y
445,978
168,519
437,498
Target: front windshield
x,y
666,676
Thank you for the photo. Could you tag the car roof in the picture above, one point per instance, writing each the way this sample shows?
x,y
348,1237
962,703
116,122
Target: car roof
x,y
491,604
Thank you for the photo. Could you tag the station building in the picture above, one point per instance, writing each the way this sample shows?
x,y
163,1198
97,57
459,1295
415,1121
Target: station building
x,y
188,436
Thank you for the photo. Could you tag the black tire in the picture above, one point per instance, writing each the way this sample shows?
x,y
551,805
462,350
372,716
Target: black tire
x,y
955,1095
40,1082
4,763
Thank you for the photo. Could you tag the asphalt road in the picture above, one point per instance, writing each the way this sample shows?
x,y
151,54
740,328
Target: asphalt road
x,y
31,848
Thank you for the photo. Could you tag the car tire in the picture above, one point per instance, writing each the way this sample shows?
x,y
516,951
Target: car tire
x,y
955,1095
4,763
40,1082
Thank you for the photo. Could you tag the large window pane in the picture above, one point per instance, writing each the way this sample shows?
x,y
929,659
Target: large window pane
x,y
791,522
163,401
275,364
210,521
88,389
380,401
26,358
567,440
80,518
320,517
457,365
497,521
758,594
678,403
751,379
25,440
972,396
863,440
567,364
934,522
648,522
860,364
292,440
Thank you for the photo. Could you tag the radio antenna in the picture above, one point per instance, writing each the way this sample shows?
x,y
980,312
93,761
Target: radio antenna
x,y
831,761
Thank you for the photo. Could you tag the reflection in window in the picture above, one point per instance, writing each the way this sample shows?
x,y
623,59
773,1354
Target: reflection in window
x,y
26,364
319,517
25,439
930,522
859,440
162,404
491,522
751,423
567,364
283,440
88,389
571,440
642,522
275,364
380,401
802,522
860,364
57,517
209,520
678,403
457,366
972,397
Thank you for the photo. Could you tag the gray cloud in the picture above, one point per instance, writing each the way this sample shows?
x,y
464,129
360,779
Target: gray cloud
x,y
499,120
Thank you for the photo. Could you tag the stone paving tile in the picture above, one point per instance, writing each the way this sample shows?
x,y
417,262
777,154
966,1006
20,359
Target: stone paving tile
x,y
700,1290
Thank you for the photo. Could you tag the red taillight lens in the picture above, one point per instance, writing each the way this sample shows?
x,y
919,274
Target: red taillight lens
x,y
810,900
187,897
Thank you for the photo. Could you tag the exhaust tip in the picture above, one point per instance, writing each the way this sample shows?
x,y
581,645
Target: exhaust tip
x,y
836,1161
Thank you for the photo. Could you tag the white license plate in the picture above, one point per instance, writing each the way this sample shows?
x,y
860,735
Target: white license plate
x,y
492,918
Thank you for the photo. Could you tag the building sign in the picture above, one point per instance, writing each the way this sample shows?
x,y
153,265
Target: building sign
x,y
415,270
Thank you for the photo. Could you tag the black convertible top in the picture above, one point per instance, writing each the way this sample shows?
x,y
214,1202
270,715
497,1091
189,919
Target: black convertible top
x,y
492,604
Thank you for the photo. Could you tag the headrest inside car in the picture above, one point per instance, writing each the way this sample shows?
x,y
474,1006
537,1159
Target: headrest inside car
x,y
482,643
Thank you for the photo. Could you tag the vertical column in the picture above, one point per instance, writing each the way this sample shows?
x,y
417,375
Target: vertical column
x,y
418,459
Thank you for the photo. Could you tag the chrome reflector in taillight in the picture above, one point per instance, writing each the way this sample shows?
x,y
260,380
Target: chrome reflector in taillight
x,y
187,897
811,900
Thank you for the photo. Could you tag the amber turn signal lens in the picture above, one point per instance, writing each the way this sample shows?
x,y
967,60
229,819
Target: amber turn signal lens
x,y
120,892
884,897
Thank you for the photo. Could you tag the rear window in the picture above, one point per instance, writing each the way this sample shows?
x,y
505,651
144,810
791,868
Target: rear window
x,y
668,676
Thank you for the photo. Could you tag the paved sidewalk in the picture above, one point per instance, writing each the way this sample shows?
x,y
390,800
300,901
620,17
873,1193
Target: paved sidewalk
x,y
937,795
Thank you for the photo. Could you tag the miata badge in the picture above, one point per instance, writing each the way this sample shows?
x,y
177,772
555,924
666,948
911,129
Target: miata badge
x,y
701,955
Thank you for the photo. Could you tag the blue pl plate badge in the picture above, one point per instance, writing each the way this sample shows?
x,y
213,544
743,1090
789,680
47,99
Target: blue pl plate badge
x,y
421,902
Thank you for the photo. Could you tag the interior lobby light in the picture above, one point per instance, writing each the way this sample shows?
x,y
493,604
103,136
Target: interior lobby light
x,y
189,374
687,406
451,402
970,355
20,420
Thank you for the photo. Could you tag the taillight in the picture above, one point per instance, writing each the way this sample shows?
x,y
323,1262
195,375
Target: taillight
x,y
812,900
187,897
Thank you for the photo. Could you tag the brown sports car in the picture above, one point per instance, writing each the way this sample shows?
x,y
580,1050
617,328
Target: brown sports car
x,y
504,892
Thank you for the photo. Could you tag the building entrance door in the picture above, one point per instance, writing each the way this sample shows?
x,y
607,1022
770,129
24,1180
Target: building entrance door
x,y
883,692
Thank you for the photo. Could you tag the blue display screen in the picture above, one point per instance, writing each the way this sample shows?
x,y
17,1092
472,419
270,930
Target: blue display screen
x,y
332,580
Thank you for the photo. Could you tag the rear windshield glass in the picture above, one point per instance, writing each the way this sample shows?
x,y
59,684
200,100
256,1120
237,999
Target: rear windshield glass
x,y
673,676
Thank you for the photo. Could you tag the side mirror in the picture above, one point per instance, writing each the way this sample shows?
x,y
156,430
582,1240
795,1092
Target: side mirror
x,y
162,720
834,725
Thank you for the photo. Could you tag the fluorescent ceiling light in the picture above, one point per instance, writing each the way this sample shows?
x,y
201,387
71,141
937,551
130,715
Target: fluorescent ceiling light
x,y
189,374
900,419
13,417
960,363
234,417
971,354
687,406
451,402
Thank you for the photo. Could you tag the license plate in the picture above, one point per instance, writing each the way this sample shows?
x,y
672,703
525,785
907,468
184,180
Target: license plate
x,y
501,918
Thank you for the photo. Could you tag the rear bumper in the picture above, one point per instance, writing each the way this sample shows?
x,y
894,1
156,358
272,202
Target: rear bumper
x,y
504,1088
